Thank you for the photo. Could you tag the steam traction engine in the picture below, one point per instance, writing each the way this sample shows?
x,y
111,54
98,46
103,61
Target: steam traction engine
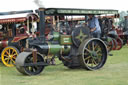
x,y
14,30
75,50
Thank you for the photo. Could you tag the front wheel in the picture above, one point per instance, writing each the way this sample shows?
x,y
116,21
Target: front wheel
x,y
25,64
9,55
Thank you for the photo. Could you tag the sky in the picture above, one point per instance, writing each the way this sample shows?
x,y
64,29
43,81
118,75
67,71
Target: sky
x,y
14,5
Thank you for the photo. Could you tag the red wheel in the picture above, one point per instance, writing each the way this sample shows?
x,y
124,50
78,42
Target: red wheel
x,y
127,42
119,43
115,44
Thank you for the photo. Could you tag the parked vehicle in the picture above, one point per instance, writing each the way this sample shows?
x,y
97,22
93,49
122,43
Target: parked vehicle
x,y
15,28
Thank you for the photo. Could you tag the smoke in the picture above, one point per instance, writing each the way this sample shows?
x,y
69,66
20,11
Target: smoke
x,y
39,3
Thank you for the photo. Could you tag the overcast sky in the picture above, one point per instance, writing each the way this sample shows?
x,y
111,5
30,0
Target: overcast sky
x,y
13,5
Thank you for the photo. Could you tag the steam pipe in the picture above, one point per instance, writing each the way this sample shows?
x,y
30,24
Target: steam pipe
x,y
42,25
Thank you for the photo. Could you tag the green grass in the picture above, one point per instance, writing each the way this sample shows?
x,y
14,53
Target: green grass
x,y
115,72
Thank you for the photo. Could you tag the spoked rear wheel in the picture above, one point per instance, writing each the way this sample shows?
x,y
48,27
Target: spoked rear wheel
x,y
25,65
93,54
127,42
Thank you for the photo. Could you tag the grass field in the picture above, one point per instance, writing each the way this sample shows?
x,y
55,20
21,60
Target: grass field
x,y
115,72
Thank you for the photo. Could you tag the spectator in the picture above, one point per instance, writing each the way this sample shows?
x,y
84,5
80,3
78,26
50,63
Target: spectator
x,y
126,24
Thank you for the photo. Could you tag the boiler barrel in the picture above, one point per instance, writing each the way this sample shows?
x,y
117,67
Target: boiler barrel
x,y
61,49
54,49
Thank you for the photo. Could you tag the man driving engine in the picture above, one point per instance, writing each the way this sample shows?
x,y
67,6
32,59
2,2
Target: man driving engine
x,y
94,26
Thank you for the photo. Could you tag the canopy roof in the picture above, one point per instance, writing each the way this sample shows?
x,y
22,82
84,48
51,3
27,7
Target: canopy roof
x,y
71,11
12,18
15,12
17,16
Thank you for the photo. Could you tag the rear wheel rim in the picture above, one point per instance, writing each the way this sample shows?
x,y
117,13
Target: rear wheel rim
x,y
94,56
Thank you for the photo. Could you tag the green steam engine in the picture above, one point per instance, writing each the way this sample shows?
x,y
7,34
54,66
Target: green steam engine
x,y
76,49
